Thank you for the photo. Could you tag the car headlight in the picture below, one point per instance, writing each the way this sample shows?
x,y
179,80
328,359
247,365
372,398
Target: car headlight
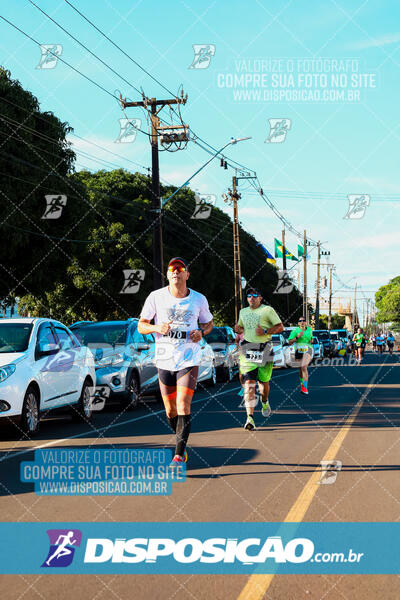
x,y
6,371
110,361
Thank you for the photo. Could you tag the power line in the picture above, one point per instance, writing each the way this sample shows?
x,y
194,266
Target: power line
x,y
119,48
61,59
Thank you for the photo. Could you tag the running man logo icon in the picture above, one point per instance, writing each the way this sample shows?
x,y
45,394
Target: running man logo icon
x,y
329,471
278,129
50,54
128,129
204,204
63,543
203,54
357,206
98,396
133,279
54,206
284,285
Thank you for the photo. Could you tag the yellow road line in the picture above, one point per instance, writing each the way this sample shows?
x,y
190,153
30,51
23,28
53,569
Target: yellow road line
x,y
257,585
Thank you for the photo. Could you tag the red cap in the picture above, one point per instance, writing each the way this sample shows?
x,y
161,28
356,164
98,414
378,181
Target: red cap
x,y
177,259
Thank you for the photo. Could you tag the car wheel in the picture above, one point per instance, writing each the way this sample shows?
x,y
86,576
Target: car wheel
x,y
132,396
213,376
30,415
82,412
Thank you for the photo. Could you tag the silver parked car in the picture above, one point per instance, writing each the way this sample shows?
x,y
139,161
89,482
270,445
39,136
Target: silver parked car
x,y
222,341
124,359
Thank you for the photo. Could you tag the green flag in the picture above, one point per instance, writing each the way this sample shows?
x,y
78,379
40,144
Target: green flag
x,y
279,249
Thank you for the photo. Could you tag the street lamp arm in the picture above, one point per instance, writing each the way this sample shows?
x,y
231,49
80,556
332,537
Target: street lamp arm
x,y
232,141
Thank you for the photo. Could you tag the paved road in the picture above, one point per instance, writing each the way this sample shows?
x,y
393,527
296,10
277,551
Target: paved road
x,y
235,475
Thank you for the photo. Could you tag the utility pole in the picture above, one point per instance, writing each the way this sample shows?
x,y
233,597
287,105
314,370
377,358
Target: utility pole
x,y
355,308
284,267
234,196
305,304
318,263
237,273
317,290
155,107
330,267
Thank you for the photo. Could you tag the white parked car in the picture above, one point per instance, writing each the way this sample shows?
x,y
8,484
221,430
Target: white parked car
x,y
279,345
318,348
207,368
43,367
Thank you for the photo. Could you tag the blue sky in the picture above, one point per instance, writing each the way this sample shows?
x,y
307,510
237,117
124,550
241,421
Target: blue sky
x,y
332,149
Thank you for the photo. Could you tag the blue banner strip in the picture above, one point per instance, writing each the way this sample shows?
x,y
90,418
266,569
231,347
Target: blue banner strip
x,y
207,548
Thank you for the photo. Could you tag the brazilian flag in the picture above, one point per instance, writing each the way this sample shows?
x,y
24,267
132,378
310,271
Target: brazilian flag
x,y
280,249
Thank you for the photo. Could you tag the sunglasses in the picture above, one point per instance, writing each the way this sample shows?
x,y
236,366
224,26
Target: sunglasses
x,y
253,295
302,320
179,268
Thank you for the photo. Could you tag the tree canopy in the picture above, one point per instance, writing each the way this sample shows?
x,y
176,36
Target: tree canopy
x,y
387,300
72,267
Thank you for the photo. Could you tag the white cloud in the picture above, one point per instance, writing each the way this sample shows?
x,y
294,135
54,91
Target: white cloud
x,y
383,40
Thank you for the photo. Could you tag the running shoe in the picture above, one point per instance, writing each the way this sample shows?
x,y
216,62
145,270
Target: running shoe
x,y
250,425
303,390
265,409
180,459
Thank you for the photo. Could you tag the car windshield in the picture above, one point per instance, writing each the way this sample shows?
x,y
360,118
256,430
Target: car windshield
x,y
106,333
216,336
14,337
334,335
276,340
286,333
342,334
322,335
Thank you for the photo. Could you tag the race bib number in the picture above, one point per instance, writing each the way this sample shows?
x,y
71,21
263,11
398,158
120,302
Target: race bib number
x,y
302,349
254,356
176,334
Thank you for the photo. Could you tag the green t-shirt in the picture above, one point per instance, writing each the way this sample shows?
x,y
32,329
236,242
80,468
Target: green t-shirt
x,y
249,318
358,338
306,338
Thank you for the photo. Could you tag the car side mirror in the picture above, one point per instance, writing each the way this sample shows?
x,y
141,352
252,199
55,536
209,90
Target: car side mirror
x,y
142,346
48,350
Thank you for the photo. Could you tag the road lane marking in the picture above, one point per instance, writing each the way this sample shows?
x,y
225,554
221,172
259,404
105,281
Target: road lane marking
x,y
13,454
257,585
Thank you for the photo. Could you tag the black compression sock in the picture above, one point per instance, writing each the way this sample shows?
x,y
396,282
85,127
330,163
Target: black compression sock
x,y
182,433
173,422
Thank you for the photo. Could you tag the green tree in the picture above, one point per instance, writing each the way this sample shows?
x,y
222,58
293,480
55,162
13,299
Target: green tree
x,y
387,300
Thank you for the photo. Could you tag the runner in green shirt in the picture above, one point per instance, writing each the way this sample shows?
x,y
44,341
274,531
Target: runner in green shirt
x,y
301,337
257,322
358,339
